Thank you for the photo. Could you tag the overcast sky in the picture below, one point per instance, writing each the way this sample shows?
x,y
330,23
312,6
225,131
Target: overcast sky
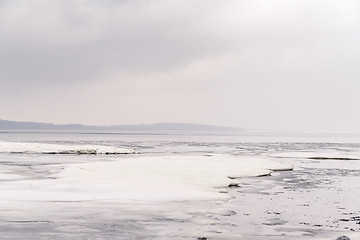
x,y
274,65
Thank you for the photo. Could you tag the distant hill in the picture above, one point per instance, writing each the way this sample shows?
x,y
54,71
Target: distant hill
x,y
158,127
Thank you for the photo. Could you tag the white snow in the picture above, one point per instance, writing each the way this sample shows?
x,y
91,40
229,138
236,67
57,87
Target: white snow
x,y
44,148
142,179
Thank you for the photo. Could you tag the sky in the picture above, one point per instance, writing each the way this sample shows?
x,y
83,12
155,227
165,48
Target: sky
x,y
264,65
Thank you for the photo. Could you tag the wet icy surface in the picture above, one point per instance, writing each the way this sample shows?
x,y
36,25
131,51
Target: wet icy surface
x,y
317,200
307,202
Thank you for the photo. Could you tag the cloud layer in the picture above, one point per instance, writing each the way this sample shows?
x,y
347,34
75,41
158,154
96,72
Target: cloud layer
x,y
272,65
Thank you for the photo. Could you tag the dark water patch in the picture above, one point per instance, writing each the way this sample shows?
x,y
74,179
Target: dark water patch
x,y
234,185
29,221
344,220
281,169
333,158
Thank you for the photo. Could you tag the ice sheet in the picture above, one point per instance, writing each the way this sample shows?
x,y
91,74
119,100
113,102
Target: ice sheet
x,y
131,179
44,148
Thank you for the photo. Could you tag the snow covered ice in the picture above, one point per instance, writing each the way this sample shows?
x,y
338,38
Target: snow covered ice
x,y
176,187
143,179
33,147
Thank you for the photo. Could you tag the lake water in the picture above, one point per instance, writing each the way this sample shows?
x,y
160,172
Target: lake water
x,y
178,186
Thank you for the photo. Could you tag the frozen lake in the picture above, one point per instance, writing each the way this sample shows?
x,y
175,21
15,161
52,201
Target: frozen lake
x,y
178,186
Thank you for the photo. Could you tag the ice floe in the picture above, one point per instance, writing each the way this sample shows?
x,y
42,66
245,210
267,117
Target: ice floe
x,y
143,179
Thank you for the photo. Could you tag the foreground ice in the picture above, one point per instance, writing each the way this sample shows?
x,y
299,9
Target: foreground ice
x,y
173,196
143,179
179,197
44,148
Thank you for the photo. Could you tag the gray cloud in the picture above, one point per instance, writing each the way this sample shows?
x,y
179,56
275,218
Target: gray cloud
x,y
55,42
287,65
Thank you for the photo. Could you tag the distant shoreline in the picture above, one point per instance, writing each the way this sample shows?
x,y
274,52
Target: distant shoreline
x,y
6,125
